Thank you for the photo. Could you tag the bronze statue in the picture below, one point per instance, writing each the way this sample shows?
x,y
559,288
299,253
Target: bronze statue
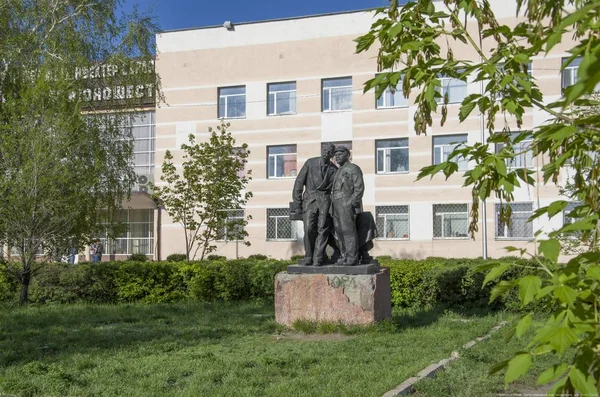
x,y
347,192
312,193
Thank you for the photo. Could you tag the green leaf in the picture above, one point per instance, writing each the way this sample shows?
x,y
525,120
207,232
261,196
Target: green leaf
x,y
594,272
582,383
528,288
556,207
498,367
562,338
523,325
565,294
552,373
500,289
517,367
496,272
550,249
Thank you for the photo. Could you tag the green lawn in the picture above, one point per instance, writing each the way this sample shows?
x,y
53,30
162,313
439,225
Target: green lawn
x,y
197,349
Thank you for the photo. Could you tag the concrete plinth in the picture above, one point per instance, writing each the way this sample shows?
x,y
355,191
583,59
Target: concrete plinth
x,y
350,299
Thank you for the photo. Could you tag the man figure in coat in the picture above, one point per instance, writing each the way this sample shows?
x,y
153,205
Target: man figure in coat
x,y
313,190
347,192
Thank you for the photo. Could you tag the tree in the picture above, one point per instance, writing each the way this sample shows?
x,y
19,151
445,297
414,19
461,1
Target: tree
x,y
411,40
212,183
65,164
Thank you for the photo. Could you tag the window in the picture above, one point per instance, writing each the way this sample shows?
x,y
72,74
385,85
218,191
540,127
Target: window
x,y
392,222
232,102
443,145
454,88
519,227
233,228
143,131
279,225
282,98
450,220
523,157
236,153
569,73
392,155
282,161
337,94
567,220
391,99
139,237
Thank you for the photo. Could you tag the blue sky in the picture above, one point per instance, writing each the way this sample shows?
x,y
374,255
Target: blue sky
x,y
183,14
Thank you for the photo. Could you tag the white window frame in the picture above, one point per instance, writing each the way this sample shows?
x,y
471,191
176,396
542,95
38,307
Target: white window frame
x,y
386,153
444,83
294,236
226,107
505,226
229,219
463,164
443,215
328,91
572,68
275,92
521,157
388,91
128,239
150,137
275,157
385,222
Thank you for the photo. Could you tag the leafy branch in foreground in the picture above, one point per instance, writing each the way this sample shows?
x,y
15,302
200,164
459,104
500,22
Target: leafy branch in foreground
x,y
419,42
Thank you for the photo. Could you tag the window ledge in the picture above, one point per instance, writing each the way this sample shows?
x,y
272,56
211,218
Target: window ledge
x,y
281,114
337,111
392,239
391,107
231,118
285,240
393,173
514,238
451,238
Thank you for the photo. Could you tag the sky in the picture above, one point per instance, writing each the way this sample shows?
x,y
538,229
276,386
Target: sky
x,y
184,14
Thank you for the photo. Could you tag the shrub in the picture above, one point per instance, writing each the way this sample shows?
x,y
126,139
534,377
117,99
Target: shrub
x,y
213,257
176,258
258,257
296,258
137,258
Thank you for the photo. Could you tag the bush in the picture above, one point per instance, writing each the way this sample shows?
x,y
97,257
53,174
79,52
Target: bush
x,y
215,258
414,283
258,257
176,258
296,258
137,258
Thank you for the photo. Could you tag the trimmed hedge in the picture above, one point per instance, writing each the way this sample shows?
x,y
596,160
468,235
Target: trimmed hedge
x,y
414,283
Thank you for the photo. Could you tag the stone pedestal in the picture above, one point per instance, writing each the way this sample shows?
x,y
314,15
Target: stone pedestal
x,y
333,297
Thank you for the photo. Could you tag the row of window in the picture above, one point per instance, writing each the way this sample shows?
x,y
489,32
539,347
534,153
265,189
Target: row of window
x,y
450,221
336,94
392,155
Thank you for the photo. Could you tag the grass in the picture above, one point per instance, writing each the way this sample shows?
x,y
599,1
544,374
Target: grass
x,y
469,376
198,349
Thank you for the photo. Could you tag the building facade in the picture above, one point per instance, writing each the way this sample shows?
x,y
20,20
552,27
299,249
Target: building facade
x,y
288,86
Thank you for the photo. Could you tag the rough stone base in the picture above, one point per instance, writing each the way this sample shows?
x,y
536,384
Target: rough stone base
x,y
350,299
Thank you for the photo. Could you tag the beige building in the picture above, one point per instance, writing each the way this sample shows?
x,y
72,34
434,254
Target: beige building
x,y
286,87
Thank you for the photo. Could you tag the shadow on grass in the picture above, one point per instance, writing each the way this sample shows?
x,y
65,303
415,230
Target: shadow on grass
x,y
42,332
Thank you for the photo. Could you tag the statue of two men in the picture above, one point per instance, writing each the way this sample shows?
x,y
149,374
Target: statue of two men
x,y
332,196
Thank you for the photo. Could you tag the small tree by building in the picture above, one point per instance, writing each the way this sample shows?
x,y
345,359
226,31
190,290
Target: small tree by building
x,y
210,186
